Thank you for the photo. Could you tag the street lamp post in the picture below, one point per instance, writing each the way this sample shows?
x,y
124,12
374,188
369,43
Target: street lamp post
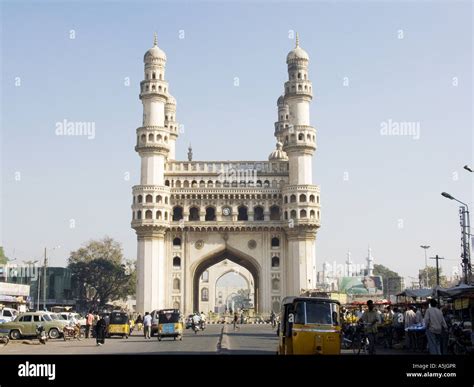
x,y
465,235
44,276
426,247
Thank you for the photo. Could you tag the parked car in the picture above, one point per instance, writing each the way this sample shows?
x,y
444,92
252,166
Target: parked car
x,y
69,315
25,325
8,314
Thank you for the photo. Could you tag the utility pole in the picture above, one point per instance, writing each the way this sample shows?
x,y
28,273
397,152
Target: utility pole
x,y
44,278
437,268
426,247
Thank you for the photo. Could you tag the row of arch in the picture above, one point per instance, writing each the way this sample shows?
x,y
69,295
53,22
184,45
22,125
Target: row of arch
x,y
238,196
149,199
153,76
210,215
153,88
151,138
177,242
302,198
302,214
300,88
148,214
226,183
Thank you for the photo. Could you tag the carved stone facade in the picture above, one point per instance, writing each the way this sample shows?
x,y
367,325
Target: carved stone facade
x,y
190,215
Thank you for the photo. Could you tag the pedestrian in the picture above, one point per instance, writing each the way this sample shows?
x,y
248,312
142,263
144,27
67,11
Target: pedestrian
x,y
89,322
100,331
272,319
370,318
139,323
410,319
435,324
236,319
147,325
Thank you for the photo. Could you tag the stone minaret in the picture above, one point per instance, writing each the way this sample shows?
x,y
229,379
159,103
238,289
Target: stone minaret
x,y
151,199
301,198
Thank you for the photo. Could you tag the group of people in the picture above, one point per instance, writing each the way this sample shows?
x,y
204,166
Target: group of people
x,y
399,323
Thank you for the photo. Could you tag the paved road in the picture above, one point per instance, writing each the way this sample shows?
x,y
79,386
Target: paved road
x,y
205,342
249,340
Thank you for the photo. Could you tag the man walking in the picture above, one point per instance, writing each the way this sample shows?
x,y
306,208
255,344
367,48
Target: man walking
x,y
370,318
434,323
147,325
89,322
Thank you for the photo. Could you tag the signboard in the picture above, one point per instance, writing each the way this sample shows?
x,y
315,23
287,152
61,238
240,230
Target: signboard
x,y
372,285
9,289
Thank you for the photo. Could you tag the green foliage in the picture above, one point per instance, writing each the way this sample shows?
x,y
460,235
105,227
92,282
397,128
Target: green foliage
x,y
430,274
100,273
3,258
385,273
105,248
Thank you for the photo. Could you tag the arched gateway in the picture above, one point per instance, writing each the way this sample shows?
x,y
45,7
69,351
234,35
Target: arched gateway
x,y
232,255
190,215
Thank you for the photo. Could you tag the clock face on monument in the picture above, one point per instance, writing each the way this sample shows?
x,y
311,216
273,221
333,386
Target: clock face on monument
x,y
226,211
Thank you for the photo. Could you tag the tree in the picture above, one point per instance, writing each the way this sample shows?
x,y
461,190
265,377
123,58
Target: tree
x,y
3,258
430,274
100,273
385,273
106,248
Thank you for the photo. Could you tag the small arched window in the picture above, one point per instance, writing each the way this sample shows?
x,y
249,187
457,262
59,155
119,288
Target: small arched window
x,y
194,214
177,242
303,214
293,214
242,210
139,214
158,215
293,199
177,213
140,198
148,214
275,242
258,213
275,262
311,198
149,199
301,137
275,284
311,214
154,75
210,214
302,198
204,294
275,213
176,262
176,284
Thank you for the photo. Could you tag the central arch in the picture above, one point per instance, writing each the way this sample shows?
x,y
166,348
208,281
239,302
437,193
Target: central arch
x,y
235,256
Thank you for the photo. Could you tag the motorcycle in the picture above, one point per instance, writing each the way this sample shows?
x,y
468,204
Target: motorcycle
x,y
196,327
202,325
72,332
459,342
41,334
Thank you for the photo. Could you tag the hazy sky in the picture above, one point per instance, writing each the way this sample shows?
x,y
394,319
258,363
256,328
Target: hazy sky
x,y
371,64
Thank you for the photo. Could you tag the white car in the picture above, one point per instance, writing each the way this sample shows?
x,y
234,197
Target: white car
x,y
8,315
68,316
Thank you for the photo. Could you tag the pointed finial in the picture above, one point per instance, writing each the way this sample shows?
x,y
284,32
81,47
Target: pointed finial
x,y
190,153
297,40
155,40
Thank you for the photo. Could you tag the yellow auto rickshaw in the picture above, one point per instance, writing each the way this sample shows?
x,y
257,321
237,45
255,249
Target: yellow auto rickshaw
x,y
309,326
170,324
119,324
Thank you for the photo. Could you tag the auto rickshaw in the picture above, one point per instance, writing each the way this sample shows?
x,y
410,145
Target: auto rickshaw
x,y
119,324
170,324
309,326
